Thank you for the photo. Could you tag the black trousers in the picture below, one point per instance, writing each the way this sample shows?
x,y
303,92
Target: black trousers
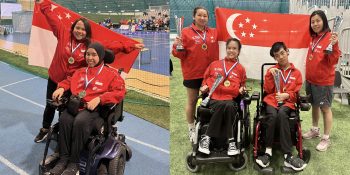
x,y
278,120
223,121
49,112
75,132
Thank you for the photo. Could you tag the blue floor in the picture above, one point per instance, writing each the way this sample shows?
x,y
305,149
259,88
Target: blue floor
x,y
21,108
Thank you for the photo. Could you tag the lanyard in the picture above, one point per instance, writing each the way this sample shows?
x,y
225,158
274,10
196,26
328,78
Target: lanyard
x,y
228,72
315,44
86,78
285,80
73,50
202,37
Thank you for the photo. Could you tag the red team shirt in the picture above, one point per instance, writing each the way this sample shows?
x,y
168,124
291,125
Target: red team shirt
x,y
237,78
59,68
292,86
320,67
108,84
195,60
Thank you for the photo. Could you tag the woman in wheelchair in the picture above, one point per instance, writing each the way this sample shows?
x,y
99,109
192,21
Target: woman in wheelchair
x,y
97,84
223,121
279,105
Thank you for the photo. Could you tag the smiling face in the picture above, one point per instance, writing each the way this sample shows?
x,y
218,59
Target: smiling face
x,y
91,57
316,24
79,31
232,50
201,18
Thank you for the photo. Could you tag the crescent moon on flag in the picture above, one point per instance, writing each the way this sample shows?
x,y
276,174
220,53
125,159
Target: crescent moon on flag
x,y
229,25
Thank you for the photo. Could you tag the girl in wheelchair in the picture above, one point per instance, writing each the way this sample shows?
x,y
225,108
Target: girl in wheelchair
x,y
97,84
279,105
223,120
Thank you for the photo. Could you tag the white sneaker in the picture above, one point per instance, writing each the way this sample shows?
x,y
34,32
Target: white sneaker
x,y
204,145
323,145
312,133
232,149
192,134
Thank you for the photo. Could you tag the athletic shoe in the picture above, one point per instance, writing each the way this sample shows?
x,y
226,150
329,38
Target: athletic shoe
x,y
323,145
204,145
42,135
295,163
264,160
232,149
312,133
72,169
59,167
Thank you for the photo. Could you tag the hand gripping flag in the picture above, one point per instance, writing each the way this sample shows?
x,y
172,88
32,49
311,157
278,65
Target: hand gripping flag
x,y
257,32
42,42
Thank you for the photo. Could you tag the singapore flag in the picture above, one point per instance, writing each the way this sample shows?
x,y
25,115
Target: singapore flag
x,y
257,32
43,42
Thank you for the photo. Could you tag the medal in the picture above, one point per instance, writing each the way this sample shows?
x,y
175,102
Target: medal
x,y
70,60
204,46
82,94
227,83
310,57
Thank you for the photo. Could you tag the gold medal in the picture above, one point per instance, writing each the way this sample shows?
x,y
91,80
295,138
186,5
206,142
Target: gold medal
x,y
227,83
70,60
204,46
82,94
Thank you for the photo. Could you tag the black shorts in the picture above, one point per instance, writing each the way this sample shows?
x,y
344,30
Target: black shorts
x,y
320,95
193,84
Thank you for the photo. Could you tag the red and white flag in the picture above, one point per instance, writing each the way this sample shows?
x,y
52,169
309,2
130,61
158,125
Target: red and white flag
x,y
257,32
43,43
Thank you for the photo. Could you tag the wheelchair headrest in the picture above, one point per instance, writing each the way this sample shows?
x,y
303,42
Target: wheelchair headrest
x,y
109,56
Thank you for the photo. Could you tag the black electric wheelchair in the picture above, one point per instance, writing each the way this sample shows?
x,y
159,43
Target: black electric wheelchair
x,y
259,128
218,146
105,152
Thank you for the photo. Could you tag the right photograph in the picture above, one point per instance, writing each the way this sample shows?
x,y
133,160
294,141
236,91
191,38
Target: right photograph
x,y
259,87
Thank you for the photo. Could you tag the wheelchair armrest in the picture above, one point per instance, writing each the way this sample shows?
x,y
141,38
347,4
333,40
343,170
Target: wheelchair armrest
x,y
255,96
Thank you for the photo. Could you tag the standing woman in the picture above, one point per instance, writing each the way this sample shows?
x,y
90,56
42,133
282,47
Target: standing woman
x,y
200,49
320,74
69,56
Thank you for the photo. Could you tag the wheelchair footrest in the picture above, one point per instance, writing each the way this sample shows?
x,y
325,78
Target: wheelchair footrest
x,y
287,170
215,157
267,170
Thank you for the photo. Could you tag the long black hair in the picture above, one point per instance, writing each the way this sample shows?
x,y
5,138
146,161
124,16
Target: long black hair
x,y
87,29
321,14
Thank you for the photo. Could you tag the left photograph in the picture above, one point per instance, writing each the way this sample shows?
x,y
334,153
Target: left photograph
x,y
84,87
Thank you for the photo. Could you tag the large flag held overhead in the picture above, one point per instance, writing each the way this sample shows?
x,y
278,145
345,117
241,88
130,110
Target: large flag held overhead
x,y
42,42
257,32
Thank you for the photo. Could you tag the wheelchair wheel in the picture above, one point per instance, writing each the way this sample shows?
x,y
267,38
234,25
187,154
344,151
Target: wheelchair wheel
x,y
116,166
306,155
189,164
241,164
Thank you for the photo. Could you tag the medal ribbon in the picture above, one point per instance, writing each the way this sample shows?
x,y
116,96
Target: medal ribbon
x,y
228,72
71,48
87,82
315,44
285,80
204,36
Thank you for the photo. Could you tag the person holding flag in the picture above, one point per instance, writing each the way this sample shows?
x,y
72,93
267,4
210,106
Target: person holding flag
x,y
200,49
279,105
69,54
320,75
223,120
